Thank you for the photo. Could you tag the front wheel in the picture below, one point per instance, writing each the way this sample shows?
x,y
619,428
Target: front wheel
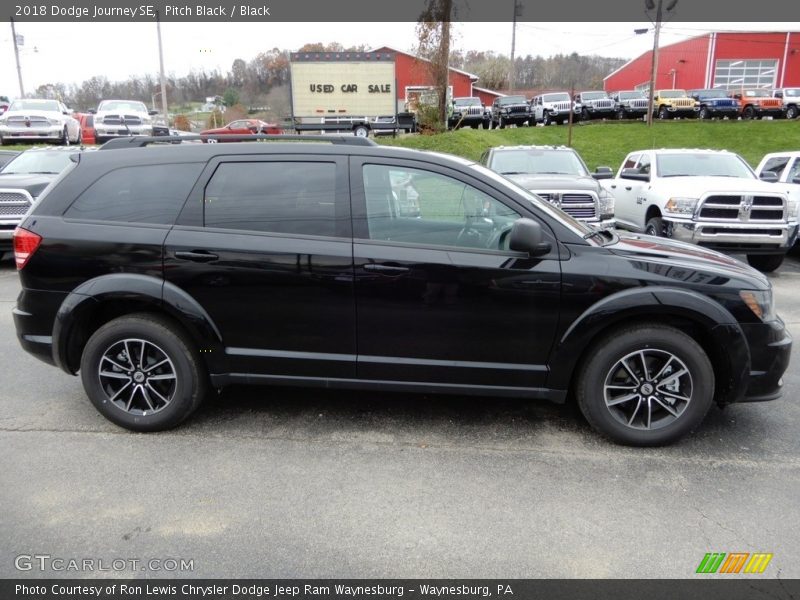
x,y
655,227
748,113
791,112
704,113
65,137
621,115
766,263
663,113
645,385
141,373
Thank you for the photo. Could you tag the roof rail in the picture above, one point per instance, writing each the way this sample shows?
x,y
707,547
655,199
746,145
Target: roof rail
x,y
140,141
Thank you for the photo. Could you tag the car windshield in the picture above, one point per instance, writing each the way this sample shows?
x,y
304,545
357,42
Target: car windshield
x,y
594,95
48,105
513,100
556,97
699,164
630,95
537,162
709,94
467,101
672,94
129,105
38,162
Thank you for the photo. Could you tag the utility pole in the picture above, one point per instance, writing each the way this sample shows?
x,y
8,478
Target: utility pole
x,y
511,73
650,5
16,55
164,107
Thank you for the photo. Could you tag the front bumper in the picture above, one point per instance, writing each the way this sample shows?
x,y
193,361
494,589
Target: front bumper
x,y
51,132
750,238
683,110
108,131
770,350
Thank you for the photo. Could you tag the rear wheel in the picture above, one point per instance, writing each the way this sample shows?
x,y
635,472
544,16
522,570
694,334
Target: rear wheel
x,y
645,385
361,131
141,373
546,119
704,113
766,263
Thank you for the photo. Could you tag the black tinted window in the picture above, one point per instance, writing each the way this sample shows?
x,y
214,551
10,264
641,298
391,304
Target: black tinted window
x,y
274,197
146,194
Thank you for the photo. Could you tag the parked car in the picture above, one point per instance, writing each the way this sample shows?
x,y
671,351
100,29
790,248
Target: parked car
x,y
715,103
510,110
674,103
758,103
5,102
595,105
86,121
707,197
115,118
39,120
556,174
471,112
183,279
553,108
786,169
790,97
240,127
630,104
23,179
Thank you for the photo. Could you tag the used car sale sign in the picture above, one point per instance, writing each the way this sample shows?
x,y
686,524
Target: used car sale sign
x,y
341,84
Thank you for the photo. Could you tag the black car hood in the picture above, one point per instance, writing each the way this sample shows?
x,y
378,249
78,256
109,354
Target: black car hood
x,y
686,257
33,184
554,182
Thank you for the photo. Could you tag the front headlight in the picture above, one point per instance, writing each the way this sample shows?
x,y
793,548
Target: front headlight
x,y
58,122
760,302
792,206
681,206
605,204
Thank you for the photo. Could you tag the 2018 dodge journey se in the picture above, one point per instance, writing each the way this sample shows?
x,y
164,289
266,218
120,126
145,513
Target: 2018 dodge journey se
x,y
161,271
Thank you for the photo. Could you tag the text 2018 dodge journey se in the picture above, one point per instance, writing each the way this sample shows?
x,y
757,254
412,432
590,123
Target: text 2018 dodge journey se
x,y
161,271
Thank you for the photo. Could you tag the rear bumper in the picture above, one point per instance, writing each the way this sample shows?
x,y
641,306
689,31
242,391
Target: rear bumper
x,y
40,346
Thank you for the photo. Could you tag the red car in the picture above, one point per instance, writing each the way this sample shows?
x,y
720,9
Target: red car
x,y
87,127
241,127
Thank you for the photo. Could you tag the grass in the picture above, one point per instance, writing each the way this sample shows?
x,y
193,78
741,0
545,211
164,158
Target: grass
x,y
607,143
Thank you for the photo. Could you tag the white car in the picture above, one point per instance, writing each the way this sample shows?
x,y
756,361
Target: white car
x,y
786,166
710,198
116,118
39,120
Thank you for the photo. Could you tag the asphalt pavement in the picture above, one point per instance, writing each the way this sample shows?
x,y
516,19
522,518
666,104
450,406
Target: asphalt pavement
x,y
284,483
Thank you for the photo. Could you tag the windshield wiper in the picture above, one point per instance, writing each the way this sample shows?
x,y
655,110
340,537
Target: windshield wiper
x,y
601,232
42,173
514,173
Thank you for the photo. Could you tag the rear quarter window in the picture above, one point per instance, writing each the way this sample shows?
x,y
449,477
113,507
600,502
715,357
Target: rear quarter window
x,y
140,194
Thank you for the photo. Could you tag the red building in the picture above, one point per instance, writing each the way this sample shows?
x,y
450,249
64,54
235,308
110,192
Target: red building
x,y
732,61
414,78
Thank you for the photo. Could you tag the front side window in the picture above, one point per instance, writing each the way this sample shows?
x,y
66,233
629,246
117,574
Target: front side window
x,y
777,164
143,194
422,207
273,197
794,170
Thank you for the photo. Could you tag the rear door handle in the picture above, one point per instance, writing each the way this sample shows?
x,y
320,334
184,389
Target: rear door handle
x,y
385,268
628,188
197,256
613,187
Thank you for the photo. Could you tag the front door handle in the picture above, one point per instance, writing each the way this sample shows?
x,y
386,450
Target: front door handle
x,y
385,268
629,188
197,256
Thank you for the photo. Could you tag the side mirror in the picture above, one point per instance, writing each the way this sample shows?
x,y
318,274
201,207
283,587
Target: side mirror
x,y
152,112
603,173
737,96
526,236
634,174
779,94
768,176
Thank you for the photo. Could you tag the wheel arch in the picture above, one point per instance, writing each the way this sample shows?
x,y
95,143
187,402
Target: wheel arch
x,y
652,212
98,301
703,319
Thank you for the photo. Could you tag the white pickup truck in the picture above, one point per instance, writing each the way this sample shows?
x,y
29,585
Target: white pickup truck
x,y
710,198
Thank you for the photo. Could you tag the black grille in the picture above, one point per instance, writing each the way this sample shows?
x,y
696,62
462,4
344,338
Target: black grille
x,y
735,207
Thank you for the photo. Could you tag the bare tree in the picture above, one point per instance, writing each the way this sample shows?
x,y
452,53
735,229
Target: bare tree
x,y
433,33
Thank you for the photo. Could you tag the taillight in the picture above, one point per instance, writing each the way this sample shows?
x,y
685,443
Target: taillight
x,y
25,244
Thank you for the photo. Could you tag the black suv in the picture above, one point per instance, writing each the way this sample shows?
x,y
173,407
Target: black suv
x,y
160,272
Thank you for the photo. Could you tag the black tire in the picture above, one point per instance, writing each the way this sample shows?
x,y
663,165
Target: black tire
x,y
791,112
621,114
3,141
655,227
361,131
766,263
546,119
659,414
663,113
65,141
173,390
502,124
704,113
748,113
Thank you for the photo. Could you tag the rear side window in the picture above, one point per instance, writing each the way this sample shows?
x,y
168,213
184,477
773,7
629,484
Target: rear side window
x,y
273,197
142,194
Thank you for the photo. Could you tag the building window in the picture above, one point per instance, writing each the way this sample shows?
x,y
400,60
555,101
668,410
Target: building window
x,y
745,74
643,87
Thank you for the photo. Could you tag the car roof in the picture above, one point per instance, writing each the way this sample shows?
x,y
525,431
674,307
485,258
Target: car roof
x,y
789,153
533,147
682,151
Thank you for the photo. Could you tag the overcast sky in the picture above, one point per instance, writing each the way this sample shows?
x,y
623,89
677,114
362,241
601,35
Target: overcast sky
x,y
73,52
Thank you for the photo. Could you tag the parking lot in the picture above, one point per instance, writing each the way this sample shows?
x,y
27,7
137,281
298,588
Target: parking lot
x,y
268,482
